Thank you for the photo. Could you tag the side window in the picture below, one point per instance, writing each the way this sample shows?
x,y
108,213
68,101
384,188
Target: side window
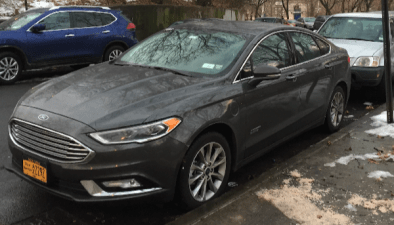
x,y
57,21
87,19
106,18
324,47
306,48
273,51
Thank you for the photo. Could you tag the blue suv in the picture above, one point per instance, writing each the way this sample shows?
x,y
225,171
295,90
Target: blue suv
x,y
68,35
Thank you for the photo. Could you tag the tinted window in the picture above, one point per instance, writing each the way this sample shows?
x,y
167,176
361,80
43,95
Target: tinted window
x,y
306,48
273,51
87,19
106,18
324,47
57,21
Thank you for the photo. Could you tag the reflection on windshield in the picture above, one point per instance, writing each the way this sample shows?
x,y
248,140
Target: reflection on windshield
x,y
368,29
19,21
185,50
310,19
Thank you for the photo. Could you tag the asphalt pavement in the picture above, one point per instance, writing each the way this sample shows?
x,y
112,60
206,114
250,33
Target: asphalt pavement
x,y
22,203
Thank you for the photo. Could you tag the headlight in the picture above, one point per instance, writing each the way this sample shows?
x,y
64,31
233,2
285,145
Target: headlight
x,y
367,62
138,134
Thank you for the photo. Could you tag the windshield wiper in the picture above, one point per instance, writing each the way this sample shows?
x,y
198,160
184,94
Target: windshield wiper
x,y
170,70
358,39
153,67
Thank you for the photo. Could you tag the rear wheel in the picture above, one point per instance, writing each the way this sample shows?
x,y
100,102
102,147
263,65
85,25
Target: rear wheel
x,y
113,52
10,68
336,109
205,170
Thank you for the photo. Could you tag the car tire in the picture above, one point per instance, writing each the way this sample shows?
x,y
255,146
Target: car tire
x,y
336,109
10,68
77,67
113,52
203,178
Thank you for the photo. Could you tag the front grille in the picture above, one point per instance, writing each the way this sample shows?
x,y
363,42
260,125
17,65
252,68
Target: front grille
x,y
47,143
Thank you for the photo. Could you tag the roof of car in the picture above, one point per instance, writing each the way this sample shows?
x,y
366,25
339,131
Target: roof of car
x,y
360,14
245,27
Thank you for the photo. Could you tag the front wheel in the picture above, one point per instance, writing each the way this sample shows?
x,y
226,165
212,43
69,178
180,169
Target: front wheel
x,y
205,170
10,68
336,108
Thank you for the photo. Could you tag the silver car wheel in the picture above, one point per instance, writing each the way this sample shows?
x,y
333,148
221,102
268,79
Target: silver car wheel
x,y
114,54
207,171
337,108
9,68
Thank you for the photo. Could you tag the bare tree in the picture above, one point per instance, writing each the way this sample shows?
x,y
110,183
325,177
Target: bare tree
x,y
328,5
355,4
368,4
258,4
285,4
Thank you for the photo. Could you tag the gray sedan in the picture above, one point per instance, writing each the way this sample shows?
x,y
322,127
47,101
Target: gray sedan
x,y
175,114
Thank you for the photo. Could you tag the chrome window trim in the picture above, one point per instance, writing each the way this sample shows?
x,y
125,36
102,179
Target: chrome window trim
x,y
285,68
90,154
75,28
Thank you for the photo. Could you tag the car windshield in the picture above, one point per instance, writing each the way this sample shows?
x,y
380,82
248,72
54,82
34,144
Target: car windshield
x,y
268,20
309,19
189,51
366,29
20,20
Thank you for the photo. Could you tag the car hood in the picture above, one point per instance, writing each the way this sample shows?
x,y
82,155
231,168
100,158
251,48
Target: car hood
x,y
109,96
356,48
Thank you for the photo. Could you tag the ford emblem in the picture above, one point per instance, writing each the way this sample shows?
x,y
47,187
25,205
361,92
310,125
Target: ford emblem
x,y
43,117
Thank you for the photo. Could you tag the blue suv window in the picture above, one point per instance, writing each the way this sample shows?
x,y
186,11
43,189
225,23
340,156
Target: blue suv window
x,y
91,19
57,21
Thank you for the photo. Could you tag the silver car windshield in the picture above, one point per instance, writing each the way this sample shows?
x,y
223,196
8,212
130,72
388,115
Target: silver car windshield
x,y
353,28
191,51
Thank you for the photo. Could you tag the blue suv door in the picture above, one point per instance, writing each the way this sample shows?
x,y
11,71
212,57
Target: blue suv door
x,y
56,44
94,32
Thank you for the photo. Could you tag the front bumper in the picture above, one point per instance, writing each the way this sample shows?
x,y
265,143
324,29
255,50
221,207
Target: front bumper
x,y
154,164
367,76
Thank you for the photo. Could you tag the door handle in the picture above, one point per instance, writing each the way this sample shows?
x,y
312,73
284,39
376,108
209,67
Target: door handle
x,y
292,77
70,35
106,31
328,66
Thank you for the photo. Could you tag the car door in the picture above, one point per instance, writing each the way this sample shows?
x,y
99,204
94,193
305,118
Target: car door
x,y
271,108
56,44
315,82
93,33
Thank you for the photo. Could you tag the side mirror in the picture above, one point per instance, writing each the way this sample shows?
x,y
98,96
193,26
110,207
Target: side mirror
x,y
38,27
264,72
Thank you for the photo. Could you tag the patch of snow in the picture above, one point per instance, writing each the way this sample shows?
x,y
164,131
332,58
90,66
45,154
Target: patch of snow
x,y
367,103
379,174
349,116
346,159
42,4
351,207
384,129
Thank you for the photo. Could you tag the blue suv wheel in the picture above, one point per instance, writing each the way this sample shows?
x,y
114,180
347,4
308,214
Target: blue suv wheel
x,y
66,35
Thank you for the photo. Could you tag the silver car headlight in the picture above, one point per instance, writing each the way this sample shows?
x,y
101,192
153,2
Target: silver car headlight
x,y
367,61
138,134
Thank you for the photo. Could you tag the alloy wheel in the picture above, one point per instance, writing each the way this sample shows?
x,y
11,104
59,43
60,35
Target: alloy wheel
x,y
207,171
9,68
114,54
337,108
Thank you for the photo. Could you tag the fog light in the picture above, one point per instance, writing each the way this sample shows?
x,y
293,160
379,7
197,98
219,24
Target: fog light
x,y
128,183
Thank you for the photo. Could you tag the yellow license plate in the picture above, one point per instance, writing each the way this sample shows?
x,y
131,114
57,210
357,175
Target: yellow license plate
x,y
34,169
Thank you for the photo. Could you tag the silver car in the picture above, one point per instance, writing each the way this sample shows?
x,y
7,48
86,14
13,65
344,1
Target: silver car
x,y
361,35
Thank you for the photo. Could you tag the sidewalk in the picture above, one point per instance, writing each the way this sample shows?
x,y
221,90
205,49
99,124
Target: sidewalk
x,y
347,178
